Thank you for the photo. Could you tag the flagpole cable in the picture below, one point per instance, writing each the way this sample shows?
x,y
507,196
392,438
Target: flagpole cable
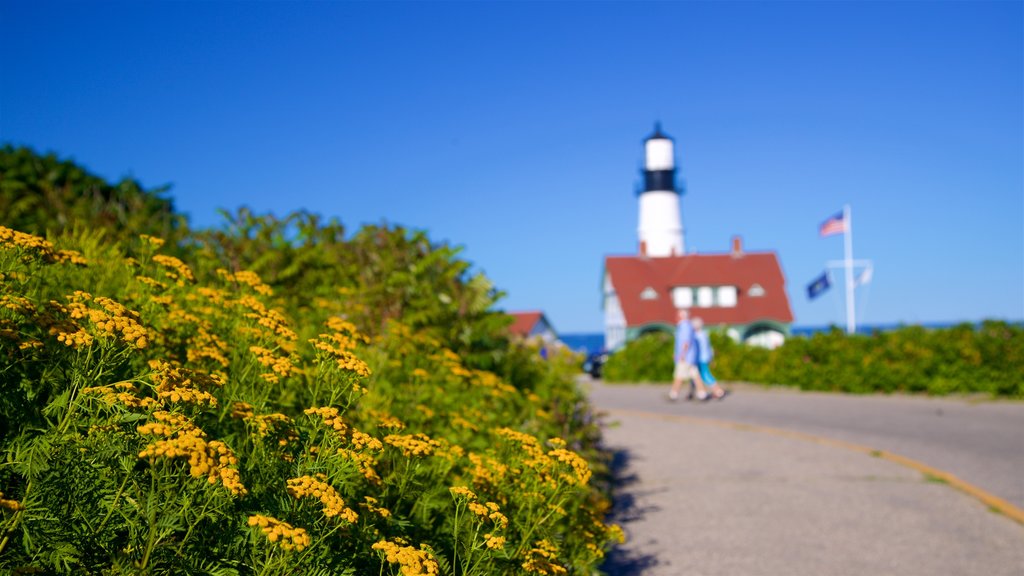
x,y
851,322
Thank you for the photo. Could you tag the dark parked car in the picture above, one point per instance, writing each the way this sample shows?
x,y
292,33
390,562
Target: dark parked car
x,y
594,362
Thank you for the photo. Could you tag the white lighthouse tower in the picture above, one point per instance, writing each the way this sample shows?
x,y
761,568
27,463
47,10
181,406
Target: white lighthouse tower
x,y
661,226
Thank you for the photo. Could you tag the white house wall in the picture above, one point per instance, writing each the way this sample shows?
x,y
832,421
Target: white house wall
x,y
614,319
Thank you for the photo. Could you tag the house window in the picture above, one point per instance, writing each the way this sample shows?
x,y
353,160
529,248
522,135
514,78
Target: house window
x,y
755,291
705,297
727,296
682,297
649,294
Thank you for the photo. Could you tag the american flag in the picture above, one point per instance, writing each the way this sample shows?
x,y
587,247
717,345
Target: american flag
x,y
834,225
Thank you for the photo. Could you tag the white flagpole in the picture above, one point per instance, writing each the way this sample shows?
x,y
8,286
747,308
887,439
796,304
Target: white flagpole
x,y
851,325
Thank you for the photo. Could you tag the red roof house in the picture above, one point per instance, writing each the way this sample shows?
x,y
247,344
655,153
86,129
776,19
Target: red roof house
x,y
743,293
532,323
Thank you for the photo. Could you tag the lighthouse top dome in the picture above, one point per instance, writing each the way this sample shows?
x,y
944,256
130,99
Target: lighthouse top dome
x,y
658,134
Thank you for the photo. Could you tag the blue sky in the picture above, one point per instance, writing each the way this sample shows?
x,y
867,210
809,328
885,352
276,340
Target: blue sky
x,y
515,130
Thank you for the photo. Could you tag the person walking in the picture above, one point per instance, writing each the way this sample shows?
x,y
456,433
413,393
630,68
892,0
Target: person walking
x,y
685,359
705,353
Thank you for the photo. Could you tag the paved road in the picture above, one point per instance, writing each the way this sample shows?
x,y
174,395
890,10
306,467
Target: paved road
x,y
703,492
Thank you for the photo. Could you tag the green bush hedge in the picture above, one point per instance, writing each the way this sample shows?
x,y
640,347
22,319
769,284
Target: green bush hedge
x,y
962,359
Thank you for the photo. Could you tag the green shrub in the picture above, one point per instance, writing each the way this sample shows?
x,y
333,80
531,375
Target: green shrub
x,y
646,359
960,359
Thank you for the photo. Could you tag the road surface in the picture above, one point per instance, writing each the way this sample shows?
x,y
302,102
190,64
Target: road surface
x,y
776,481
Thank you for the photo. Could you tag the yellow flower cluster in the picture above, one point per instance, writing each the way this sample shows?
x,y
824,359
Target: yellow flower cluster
x,y
205,344
460,422
35,245
413,444
331,417
242,410
494,542
387,421
451,452
453,362
123,393
579,465
498,387
487,471
215,296
152,240
339,325
462,491
175,269
151,282
556,442
12,505
491,511
282,533
66,331
110,317
266,424
338,347
176,384
370,504
248,278
365,463
333,420
362,440
334,505
18,304
528,443
413,562
279,365
26,344
71,256
183,439
273,320
541,559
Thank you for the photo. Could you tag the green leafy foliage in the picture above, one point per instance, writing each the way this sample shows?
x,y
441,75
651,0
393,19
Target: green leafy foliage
x,y
646,359
40,194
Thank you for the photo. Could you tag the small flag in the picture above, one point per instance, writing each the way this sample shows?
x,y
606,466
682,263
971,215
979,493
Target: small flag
x,y
865,276
834,225
820,284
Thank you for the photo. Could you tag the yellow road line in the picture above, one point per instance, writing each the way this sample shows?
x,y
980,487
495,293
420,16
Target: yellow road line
x,y
993,502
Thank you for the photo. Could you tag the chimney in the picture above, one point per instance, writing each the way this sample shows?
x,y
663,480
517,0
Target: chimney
x,y
737,247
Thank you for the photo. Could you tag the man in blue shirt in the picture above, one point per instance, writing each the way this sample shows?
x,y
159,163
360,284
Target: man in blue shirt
x,y
685,359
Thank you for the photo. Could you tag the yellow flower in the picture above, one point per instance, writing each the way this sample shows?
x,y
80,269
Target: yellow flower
x,y
413,444
183,439
494,542
413,562
462,491
281,533
541,559
334,505
175,269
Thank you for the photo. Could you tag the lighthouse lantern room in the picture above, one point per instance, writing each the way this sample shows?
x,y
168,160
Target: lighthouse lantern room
x,y
661,226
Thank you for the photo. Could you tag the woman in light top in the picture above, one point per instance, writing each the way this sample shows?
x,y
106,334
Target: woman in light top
x,y
704,355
